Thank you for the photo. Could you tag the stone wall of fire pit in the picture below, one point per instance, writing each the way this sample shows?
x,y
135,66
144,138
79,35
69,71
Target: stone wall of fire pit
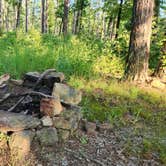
x,y
40,108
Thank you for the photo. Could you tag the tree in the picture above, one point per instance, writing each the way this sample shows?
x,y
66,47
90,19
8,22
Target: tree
x,y
0,15
119,18
139,48
19,4
26,15
43,16
65,17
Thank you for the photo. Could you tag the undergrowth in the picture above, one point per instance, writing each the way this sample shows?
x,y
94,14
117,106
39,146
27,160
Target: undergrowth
x,y
20,53
89,65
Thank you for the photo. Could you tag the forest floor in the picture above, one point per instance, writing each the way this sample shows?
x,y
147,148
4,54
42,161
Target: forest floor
x,y
131,137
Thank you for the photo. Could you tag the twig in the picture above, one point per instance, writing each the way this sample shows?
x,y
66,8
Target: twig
x,y
34,93
86,157
42,76
13,107
35,86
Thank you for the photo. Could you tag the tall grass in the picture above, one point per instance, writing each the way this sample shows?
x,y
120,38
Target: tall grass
x,y
20,52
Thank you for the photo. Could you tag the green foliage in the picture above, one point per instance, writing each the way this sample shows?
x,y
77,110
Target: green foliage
x,y
111,101
3,137
109,66
21,52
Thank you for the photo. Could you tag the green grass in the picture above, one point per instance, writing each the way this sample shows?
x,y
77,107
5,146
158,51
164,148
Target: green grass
x,y
112,101
20,52
89,65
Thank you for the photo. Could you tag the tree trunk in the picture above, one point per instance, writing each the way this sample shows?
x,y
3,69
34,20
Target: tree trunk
x,y
33,12
43,17
160,69
26,15
0,16
77,21
7,18
139,48
112,33
109,26
74,22
65,17
18,13
119,19
46,17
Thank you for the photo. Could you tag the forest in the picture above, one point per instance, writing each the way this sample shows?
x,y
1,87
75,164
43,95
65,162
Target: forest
x,y
101,61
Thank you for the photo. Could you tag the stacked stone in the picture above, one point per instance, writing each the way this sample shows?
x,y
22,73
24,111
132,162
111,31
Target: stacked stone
x,y
60,118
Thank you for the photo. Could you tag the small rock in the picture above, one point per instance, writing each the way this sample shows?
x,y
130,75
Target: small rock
x,y
47,136
50,107
105,126
61,123
20,143
47,121
16,122
90,128
63,135
67,94
68,120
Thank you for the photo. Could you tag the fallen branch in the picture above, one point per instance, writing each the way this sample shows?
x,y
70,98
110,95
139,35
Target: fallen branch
x,y
42,76
14,107
33,93
35,86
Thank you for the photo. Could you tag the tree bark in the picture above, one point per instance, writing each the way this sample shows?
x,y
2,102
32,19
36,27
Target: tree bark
x,y
43,17
33,12
46,17
26,15
159,71
18,13
139,48
119,19
65,17
0,16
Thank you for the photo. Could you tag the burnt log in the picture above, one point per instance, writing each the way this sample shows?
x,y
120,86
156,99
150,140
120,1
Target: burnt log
x,y
31,78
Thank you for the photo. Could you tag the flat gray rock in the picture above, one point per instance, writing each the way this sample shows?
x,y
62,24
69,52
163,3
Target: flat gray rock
x,y
67,94
16,122
47,136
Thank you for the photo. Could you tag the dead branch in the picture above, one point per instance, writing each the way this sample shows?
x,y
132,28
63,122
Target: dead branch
x,y
42,76
13,107
33,92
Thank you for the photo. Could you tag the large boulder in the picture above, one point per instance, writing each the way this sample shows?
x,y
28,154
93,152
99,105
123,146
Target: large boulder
x,y
47,136
20,143
67,94
16,122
